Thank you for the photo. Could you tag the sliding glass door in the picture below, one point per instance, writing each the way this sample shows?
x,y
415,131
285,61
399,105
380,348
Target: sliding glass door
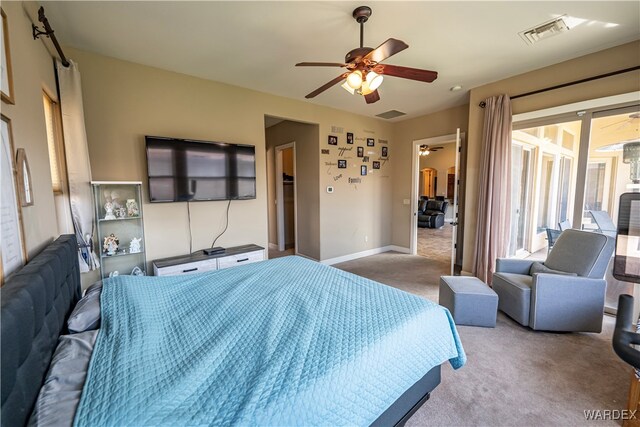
x,y
543,182
571,168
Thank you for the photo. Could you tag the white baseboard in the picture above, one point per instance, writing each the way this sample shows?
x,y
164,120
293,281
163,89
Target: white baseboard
x,y
363,254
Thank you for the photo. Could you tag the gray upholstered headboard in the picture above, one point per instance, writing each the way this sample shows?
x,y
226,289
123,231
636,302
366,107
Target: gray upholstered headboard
x,y
36,302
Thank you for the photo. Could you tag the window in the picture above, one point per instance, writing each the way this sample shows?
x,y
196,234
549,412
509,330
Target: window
x,y
54,141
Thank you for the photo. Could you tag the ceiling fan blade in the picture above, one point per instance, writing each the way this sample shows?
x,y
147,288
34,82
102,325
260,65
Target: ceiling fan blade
x,y
327,85
406,72
437,148
372,97
320,64
386,49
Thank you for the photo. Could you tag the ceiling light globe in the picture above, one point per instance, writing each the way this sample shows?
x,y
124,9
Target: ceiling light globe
x,y
374,80
354,80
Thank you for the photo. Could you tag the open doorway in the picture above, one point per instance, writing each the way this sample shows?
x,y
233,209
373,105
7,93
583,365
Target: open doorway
x,y
435,190
293,190
286,197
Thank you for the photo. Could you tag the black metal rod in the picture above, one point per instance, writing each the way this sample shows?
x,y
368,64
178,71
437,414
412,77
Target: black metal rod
x,y
560,86
48,31
361,34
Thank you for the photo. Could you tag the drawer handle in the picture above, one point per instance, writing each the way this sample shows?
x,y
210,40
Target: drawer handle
x,y
242,260
190,270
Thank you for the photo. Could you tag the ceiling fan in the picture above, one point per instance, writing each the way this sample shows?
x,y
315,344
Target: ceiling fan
x,y
365,70
425,150
631,120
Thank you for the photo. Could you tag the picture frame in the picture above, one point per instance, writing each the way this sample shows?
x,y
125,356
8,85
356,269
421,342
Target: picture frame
x,y
333,140
371,142
376,165
12,244
385,151
360,151
342,164
363,170
23,175
349,138
6,91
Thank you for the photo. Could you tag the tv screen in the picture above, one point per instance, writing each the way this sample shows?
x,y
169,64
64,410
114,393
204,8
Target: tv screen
x,y
184,170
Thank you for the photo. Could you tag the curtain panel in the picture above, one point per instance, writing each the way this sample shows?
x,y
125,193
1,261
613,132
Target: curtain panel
x,y
78,166
494,192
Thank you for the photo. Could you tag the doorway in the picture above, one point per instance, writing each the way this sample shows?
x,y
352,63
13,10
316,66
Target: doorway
x,y
286,197
434,201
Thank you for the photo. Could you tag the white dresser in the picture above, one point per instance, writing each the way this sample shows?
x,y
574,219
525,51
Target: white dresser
x,y
198,262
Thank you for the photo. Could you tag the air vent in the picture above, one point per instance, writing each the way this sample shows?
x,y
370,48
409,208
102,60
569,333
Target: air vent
x,y
391,114
544,31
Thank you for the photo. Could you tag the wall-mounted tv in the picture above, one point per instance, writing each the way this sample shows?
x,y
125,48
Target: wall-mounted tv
x,y
182,170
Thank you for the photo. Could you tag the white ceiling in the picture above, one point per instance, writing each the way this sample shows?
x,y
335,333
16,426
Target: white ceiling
x,y
256,44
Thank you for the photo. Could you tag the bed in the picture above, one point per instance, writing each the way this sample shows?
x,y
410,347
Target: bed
x,y
281,342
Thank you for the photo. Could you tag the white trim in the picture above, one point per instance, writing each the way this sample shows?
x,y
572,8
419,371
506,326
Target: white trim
x,y
415,174
577,106
116,182
280,197
363,254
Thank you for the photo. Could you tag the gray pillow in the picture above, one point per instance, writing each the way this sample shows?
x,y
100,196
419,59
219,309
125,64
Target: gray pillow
x,y
60,395
86,314
538,267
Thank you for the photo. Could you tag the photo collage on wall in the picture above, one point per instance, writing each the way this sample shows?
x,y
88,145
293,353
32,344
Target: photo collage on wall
x,y
351,152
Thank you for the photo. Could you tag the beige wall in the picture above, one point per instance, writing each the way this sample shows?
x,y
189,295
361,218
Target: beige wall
x,y
440,160
602,62
437,124
32,73
307,168
124,101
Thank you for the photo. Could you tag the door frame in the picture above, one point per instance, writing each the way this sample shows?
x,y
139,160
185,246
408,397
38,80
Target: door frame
x,y
280,197
415,177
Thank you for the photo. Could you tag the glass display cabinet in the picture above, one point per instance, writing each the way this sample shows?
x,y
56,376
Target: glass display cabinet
x,y
120,228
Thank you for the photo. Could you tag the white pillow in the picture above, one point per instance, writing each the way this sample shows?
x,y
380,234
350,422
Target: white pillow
x,y
86,314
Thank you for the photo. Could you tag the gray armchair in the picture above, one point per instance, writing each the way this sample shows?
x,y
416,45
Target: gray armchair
x,y
566,293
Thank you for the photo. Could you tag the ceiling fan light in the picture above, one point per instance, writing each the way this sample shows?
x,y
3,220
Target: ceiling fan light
x,y
365,89
348,88
374,80
354,80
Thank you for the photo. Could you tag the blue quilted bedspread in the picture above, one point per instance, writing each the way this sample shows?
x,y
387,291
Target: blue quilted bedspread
x,y
281,342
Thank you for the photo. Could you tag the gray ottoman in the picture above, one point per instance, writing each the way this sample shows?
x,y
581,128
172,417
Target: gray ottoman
x,y
470,301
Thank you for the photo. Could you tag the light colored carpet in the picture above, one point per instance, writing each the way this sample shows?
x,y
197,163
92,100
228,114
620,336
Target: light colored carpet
x,y
435,243
514,376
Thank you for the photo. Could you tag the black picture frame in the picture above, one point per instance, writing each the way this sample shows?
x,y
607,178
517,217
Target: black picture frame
x,y
333,140
349,138
371,142
385,151
360,151
342,164
376,165
363,170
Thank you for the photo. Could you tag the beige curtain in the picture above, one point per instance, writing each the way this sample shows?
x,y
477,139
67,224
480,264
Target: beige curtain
x,y
494,193
78,167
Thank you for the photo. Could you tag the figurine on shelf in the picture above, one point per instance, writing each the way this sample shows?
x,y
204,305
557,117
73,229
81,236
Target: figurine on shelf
x,y
137,271
134,246
120,212
132,207
108,208
110,245
114,274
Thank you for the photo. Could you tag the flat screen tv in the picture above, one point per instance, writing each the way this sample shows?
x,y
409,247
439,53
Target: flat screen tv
x,y
182,170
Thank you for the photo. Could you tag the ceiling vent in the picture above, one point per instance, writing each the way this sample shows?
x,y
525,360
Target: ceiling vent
x,y
544,31
391,114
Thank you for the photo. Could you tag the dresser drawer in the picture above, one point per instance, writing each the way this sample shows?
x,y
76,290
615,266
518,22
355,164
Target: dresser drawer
x,y
240,259
188,268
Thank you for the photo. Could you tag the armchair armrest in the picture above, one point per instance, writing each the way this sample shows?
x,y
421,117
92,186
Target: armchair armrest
x,y
566,303
511,265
